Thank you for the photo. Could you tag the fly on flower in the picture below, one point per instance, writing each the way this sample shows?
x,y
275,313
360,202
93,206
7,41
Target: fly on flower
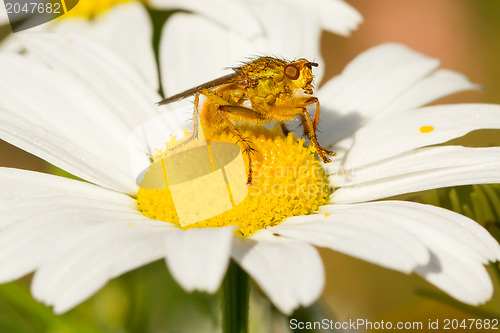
x,y
263,90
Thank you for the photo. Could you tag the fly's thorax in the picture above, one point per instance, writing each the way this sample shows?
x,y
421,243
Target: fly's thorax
x,y
265,93
266,87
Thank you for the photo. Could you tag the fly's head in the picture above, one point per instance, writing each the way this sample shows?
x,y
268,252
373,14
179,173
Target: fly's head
x,y
298,76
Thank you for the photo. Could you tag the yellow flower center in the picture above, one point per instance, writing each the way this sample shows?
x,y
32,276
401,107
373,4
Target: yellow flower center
x,y
90,8
288,180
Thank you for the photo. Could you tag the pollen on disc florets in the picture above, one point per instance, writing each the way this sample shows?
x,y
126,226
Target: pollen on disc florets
x,y
288,180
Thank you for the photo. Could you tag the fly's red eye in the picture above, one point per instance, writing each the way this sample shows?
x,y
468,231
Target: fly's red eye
x,y
292,72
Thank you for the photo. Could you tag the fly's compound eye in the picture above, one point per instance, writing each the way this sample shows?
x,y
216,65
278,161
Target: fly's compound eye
x,y
292,72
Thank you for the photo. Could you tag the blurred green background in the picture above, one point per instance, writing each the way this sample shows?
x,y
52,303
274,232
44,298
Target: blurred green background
x,y
465,35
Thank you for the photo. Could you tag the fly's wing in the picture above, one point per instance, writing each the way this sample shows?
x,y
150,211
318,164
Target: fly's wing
x,y
235,77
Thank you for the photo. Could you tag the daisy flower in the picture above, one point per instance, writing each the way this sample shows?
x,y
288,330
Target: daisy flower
x,y
76,105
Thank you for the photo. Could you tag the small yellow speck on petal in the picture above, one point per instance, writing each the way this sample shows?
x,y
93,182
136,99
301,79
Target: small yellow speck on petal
x,y
130,224
426,129
288,181
327,214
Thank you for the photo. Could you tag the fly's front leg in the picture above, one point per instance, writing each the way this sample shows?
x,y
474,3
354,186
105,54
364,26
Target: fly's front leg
x,y
311,134
312,100
316,113
308,125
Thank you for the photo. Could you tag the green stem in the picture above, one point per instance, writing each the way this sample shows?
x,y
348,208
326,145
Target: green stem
x,y
235,298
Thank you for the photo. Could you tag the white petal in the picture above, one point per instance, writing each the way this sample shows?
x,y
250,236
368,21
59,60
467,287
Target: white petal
x,y
232,14
132,41
291,31
468,281
95,254
198,258
373,80
458,245
415,170
336,16
454,176
18,187
78,113
103,169
439,84
117,83
17,184
385,79
398,133
427,159
182,43
289,272
366,237
75,234
36,208
434,226
430,88
113,28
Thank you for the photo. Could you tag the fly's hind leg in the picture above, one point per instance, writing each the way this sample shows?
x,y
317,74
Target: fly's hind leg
x,y
196,122
248,114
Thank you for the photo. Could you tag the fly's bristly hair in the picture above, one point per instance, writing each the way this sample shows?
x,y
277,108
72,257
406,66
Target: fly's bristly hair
x,y
249,59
